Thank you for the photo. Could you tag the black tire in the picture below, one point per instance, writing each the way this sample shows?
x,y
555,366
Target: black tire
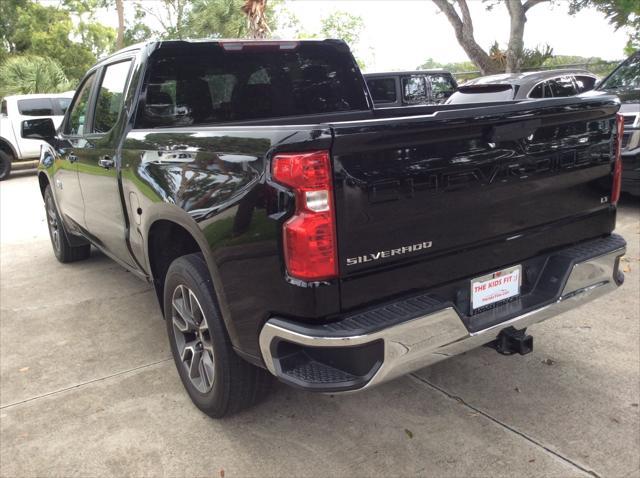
x,y
5,165
235,384
63,250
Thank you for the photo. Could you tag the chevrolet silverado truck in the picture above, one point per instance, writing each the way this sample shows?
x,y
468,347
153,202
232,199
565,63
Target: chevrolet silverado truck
x,y
291,230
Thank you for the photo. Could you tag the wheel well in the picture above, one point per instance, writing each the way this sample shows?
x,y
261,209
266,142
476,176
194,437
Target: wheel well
x,y
44,182
167,242
7,148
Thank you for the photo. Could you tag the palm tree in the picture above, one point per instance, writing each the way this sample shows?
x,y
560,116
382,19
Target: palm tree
x,y
32,74
256,19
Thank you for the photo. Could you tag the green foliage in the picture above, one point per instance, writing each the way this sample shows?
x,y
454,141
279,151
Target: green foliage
x,y
30,28
343,26
222,19
32,74
620,13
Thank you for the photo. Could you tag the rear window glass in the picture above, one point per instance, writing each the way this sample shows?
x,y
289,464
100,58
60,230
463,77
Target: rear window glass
x,y
414,90
205,84
63,104
383,90
585,83
36,107
481,94
442,86
562,87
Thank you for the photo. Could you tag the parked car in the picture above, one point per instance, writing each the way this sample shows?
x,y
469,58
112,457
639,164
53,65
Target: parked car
x,y
291,229
526,85
15,109
403,88
624,81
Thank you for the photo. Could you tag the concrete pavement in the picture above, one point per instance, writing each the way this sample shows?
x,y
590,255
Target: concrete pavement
x,y
87,387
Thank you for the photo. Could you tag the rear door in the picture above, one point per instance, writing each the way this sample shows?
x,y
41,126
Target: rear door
x,y
104,214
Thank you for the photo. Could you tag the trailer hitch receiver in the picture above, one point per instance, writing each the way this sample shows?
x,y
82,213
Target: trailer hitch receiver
x,y
511,341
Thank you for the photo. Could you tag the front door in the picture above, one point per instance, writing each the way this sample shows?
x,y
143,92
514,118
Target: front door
x,y
74,142
98,165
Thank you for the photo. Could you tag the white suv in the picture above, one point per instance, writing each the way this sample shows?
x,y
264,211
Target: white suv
x,y
13,111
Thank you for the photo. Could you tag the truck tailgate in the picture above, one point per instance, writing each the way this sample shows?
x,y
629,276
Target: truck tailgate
x,y
455,193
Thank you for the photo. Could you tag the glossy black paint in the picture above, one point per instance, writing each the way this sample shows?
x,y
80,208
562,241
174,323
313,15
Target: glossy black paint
x,y
401,177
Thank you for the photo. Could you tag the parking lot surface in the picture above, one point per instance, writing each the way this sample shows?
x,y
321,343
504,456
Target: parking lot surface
x,y
88,387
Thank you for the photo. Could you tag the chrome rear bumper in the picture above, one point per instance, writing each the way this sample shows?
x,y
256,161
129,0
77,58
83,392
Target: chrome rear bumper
x,y
424,340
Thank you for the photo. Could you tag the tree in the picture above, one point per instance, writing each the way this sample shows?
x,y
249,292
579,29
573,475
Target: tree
x,y
121,28
619,13
67,33
344,26
256,19
32,74
462,24
225,18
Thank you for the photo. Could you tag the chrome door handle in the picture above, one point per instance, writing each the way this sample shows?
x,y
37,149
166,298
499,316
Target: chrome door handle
x,y
106,162
72,158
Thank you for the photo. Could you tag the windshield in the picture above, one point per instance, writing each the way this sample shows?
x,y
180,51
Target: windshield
x,y
626,76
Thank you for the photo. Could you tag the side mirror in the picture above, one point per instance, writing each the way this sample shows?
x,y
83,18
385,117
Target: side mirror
x,y
41,128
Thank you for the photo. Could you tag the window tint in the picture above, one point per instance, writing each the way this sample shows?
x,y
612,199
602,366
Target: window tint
x,y
3,107
537,92
585,83
206,84
442,87
78,116
627,75
383,90
110,96
36,107
62,104
414,90
562,86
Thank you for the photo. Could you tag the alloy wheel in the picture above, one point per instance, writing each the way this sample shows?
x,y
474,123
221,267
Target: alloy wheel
x,y
53,223
193,338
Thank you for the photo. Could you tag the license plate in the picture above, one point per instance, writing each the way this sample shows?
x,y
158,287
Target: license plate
x,y
495,288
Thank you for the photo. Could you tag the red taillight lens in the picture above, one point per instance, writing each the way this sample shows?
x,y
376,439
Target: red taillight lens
x,y
310,235
617,165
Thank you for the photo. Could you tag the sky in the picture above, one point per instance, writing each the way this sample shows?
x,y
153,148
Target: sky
x,y
402,34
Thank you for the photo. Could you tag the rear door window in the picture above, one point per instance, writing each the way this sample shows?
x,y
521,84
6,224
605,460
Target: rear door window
x,y
414,90
585,83
442,87
208,84
562,86
383,90
36,107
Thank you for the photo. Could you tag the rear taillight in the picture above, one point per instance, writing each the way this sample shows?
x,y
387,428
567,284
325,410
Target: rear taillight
x,y
617,165
309,236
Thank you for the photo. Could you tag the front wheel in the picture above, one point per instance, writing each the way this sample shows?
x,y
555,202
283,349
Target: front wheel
x,y
218,381
63,250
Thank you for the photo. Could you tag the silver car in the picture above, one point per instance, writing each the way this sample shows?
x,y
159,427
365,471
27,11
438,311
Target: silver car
x,y
526,85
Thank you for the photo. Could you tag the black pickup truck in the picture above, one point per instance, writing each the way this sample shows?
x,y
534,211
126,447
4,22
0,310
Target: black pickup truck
x,y
291,229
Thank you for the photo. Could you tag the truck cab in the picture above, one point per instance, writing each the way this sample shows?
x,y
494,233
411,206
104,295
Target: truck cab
x,y
409,88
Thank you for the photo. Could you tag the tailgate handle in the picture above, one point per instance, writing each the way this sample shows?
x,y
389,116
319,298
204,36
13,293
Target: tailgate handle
x,y
512,131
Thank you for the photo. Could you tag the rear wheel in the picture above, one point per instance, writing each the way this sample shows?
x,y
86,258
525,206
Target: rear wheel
x,y
63,250
5,165
218,381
